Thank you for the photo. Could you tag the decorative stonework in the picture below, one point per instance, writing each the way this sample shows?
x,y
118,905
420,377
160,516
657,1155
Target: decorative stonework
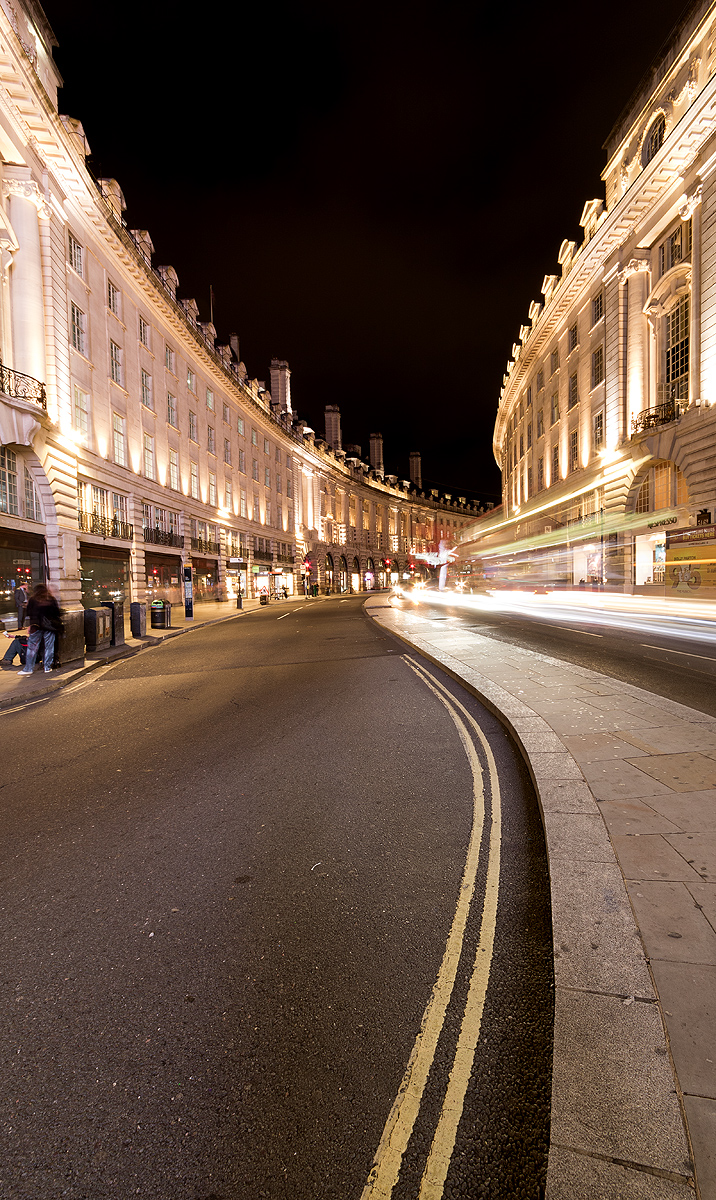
x,y
691,203
689,88
27,189
632,268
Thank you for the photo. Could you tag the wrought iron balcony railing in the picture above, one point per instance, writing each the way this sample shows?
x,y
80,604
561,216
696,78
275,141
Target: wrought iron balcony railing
x,y
159,537
22,387
263,556
661,414
203,546
105,526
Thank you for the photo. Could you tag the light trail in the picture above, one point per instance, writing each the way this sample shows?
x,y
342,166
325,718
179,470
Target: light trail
x,y
688,620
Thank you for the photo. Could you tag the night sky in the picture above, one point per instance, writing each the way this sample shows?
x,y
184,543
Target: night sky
x,y
374,190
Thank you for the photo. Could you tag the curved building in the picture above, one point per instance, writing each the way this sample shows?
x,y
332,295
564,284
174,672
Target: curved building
x,y
606,427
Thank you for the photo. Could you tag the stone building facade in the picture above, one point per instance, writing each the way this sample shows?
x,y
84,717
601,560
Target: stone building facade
x,y
131,442
606,426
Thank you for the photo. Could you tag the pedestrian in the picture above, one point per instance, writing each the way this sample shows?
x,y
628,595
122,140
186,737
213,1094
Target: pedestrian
x,y
45,620
21,604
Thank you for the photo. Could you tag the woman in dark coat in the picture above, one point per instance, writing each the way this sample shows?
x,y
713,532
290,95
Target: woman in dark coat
x,y
45,623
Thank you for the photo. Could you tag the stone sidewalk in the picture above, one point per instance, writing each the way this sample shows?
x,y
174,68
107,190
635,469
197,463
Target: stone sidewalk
x,y
627,785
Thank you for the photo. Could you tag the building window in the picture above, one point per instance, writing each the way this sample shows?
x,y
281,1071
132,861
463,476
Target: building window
x,y
654,139
240,425
267,511
522,446
143,331
555,463
242,461
597,308
192,427
112,298
119,507
278,483
529,436
227,415
553,361
228,498
77,255
210,399
147,400
267,476
190,379
278,454
119,441
540,380
540,474
227,451
32,502
289,486
257,510
174,470
572,337
555,408
194,481
210,440
598,435
267,446
78,328
115,363
255,469
573,396
254,438
242,502
540,423
573,450
677,351
149,456
598,366
8,481
212,489
169,359
80,414
642,500
171,409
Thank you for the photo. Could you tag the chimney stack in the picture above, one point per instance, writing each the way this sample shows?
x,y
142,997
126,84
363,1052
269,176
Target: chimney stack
x,y
416,470
281,385
333,426
376,452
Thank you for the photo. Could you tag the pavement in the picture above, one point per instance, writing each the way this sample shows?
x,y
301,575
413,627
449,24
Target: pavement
x,y
18,689
626,782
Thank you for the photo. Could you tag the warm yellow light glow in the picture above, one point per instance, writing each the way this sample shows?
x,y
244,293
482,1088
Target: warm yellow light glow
x,y
102,447
134,455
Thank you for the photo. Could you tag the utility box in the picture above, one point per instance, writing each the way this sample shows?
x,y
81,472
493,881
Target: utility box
x,y
98,628
116,608
138,619
71,645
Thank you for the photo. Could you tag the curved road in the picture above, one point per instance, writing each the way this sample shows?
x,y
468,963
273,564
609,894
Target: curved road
x,y
275,924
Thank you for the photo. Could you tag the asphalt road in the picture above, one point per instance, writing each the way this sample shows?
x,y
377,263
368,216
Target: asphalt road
x,y
673,658
237,873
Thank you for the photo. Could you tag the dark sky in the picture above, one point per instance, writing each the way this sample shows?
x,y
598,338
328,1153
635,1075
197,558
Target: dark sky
x,y
375,190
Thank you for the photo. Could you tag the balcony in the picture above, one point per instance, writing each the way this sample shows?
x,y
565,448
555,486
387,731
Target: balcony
x,y
203,546
661,414
22,387
263,556
159,537
286,558
105,526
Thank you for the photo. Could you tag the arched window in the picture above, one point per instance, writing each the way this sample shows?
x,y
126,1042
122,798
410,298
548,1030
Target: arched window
x,y
664,486
654,139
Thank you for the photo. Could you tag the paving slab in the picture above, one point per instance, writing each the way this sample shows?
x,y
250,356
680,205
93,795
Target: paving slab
x,y
593,747
704,895
693,812
698,850
681,772
575,1176
701,1113
634,816
651,856
688,995
620,779
671,922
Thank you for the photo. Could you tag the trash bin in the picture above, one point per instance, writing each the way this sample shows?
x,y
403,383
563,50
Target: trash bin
x,y
161,614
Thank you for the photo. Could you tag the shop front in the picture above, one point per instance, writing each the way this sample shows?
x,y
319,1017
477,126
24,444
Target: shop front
x,y
369,575
236,578
206,578
22,561
690,562
330,584
104,574
343,574
355,576
260,580
163,573
650,560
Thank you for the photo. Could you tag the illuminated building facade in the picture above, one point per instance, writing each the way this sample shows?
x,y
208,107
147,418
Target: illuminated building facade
x,y
606,427
131,443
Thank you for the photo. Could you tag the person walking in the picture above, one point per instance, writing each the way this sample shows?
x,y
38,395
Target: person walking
x,y
21,597
45,620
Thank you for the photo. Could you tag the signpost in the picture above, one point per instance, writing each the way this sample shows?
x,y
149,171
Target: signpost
x,y
188,593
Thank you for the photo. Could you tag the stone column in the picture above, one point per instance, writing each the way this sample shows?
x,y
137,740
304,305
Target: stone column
x,y
26,296
691,208
637,345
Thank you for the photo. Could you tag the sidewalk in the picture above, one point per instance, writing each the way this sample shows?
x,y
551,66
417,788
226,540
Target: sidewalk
x,y
627,785
17,689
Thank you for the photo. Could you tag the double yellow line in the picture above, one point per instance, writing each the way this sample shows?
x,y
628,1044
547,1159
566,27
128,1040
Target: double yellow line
x,y
403,1115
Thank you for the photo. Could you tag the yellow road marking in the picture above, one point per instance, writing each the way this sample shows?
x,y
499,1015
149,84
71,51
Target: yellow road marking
x,y
401,1120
